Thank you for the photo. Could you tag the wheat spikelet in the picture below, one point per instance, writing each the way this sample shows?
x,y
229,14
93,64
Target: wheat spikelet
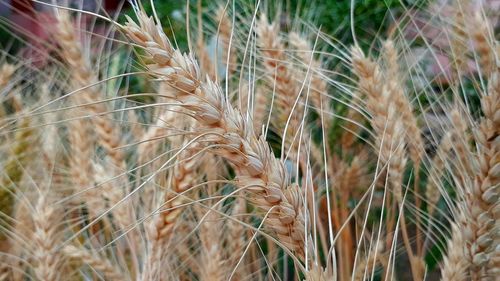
x,y
460,143
255,106
259,173
316,273
364,268
483,197
475,240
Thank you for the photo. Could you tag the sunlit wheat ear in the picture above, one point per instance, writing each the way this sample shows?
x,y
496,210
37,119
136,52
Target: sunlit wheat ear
x,y
489,181
261,175
482,197
476,215
95,262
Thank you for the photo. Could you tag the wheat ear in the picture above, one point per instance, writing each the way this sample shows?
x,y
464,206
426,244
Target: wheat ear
x,y
385,120
108,270
318,84
225,26
81,77
21,152
259,172
414,137
280,78
432,192
454,264
476,236
213,265
161,228
484,45
236,238
151,140
46,240
482,199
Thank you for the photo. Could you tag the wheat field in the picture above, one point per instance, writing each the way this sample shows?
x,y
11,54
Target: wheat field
x,y
258,146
